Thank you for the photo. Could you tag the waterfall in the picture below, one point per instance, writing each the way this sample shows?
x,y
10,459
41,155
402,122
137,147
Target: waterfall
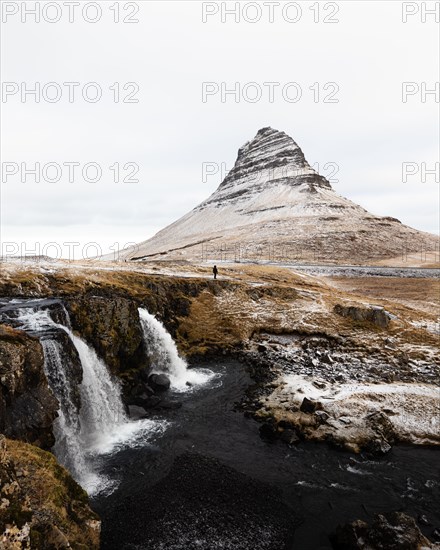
x,y
67,426
165,358
101,406
99,425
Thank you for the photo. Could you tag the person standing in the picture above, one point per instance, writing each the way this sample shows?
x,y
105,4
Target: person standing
x,y
215,271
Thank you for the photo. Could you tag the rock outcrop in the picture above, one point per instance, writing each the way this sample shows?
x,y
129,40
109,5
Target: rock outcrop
x,y
393,531
111,325
373,314
27,405
274,206
42,507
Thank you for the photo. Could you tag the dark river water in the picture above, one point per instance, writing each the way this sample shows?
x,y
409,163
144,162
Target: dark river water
x,y
171,495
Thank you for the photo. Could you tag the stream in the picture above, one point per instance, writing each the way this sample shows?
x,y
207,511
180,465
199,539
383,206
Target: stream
x,y
299,494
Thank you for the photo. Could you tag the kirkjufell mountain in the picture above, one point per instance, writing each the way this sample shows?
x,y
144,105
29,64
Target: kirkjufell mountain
x,y
274,206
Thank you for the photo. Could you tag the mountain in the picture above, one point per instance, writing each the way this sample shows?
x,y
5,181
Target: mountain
x,y
273,206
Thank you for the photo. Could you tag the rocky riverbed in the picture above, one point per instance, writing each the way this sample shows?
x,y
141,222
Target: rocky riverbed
x,y
333,391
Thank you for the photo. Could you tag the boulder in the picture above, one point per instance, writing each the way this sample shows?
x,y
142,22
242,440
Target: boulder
x,y
310,406
152,402
380,423
379,447
322,416
392,531
373,314
136,412
159,382
138,392
142,400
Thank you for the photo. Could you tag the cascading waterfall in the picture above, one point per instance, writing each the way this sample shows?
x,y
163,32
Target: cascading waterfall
x,y
165,357
91,417
67,426
102,411
100,425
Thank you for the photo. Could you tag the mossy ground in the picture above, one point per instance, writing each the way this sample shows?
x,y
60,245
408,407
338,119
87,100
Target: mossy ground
x,y
39,492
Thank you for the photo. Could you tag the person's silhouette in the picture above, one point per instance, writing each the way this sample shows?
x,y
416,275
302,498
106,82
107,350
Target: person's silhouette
x,y
215,271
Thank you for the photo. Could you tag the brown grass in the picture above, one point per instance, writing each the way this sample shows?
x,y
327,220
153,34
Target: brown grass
x,y
246,299
420,293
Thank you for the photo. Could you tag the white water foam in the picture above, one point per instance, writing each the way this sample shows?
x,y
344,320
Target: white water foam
x,y
166,359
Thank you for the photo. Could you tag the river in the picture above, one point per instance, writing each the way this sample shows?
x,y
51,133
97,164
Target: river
x,y
172,492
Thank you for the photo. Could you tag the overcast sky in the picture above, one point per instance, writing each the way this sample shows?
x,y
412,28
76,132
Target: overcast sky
x,y
359,61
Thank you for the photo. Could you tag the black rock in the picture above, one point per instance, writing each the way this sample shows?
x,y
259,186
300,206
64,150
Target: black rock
x,y
326,358
379,447
393,531
268,431
261,348
152,402
142,400
286,425
159,382
136,412
381,424
310,406
322,416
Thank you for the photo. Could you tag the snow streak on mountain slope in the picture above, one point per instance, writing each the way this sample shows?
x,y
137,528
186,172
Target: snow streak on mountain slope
x,y
273,206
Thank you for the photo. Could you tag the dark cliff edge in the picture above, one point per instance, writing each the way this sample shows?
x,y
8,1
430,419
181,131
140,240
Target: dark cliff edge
x,y
27,405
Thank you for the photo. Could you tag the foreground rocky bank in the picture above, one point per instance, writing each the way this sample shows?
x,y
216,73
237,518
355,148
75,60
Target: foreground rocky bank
x,y
328,365
42,507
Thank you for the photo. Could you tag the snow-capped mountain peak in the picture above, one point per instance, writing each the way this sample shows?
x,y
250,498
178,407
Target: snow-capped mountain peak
x,y
272,199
